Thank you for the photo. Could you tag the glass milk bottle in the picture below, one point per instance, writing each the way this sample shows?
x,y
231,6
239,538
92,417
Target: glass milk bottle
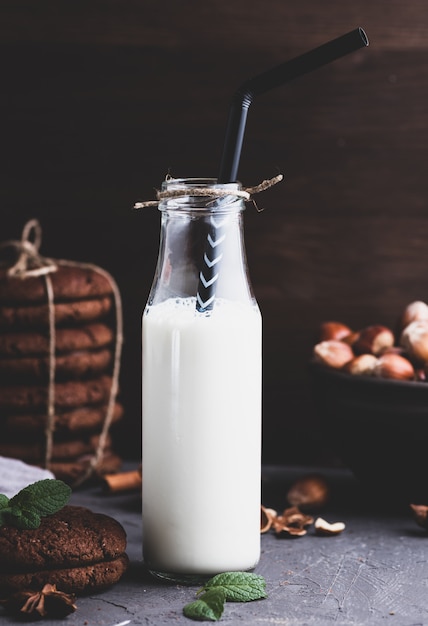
x,y
201,391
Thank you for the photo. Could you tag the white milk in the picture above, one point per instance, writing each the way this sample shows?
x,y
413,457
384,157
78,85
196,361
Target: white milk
x,y
201,437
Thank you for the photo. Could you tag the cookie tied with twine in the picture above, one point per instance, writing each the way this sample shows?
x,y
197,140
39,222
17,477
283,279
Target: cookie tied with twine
x,y
30,281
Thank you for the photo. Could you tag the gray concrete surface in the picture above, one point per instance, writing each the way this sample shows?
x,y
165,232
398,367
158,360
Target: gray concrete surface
x,y
375,572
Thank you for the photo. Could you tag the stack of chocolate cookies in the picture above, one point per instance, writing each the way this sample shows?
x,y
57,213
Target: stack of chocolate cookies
x,y
77,381
75,549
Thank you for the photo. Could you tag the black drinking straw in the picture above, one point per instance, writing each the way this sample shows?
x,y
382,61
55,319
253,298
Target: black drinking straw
x,y
270,79
274,77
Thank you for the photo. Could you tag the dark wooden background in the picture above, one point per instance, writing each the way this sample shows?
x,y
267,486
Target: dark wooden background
x,y
101,99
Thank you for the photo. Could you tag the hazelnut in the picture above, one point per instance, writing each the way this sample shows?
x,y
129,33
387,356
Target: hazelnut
x,y
420,512
351,338
325,528
415,311
309,491
393,350
414,339
394,366
362,365
334,330
421,373
373,339
333,353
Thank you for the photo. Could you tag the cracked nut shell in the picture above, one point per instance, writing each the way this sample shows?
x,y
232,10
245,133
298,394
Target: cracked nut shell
x,y
322,527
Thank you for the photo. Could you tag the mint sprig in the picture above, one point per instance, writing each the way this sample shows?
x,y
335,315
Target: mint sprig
x,y
239,586
226,587
209,606
26,508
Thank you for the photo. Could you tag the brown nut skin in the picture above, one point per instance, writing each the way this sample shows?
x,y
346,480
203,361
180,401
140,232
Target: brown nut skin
x,y
351,338
362,365
332,353
373,339
333,330
414,339
420,512
394,350
414,312
310,491
421,373
394,366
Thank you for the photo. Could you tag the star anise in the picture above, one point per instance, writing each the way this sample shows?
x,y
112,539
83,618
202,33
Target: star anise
x,y
49,602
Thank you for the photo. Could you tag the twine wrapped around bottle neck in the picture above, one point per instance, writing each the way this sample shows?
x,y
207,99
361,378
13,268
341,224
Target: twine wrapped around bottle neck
x,y
246,193
30,263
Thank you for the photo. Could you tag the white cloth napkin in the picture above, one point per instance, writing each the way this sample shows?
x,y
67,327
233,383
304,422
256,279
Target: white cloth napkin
x,y
15,475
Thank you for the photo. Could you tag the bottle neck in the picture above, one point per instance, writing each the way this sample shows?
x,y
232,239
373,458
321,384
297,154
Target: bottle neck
x,y
202,252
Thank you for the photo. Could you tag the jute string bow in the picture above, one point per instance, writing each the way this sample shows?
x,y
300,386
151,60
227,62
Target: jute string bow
x,y
31,263
246,193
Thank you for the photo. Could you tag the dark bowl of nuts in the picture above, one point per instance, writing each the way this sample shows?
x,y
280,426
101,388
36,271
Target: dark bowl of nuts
x,y
370,389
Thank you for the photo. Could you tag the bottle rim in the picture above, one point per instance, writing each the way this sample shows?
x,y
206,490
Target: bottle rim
x,y
189,194
183,183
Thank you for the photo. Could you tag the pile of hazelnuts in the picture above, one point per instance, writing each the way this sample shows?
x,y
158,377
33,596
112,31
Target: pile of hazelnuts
x,y
376,350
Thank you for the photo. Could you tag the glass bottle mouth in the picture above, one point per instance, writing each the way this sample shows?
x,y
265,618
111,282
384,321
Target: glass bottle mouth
x,y
184,183
189,193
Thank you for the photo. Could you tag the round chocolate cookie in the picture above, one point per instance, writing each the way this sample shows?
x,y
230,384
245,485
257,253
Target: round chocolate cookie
x,y
75,549
66,313
77,580
77,364
69,283
75,393
77,420
24,344
34,451
72,471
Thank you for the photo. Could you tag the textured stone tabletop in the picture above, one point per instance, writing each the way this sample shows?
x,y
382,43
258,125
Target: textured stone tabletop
x,y
375,572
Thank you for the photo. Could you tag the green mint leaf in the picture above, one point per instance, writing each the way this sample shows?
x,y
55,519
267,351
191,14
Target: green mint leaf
x,y
25,520
4,501
43,497
19,518
3,516
35,501
208,607
239,586
14,511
